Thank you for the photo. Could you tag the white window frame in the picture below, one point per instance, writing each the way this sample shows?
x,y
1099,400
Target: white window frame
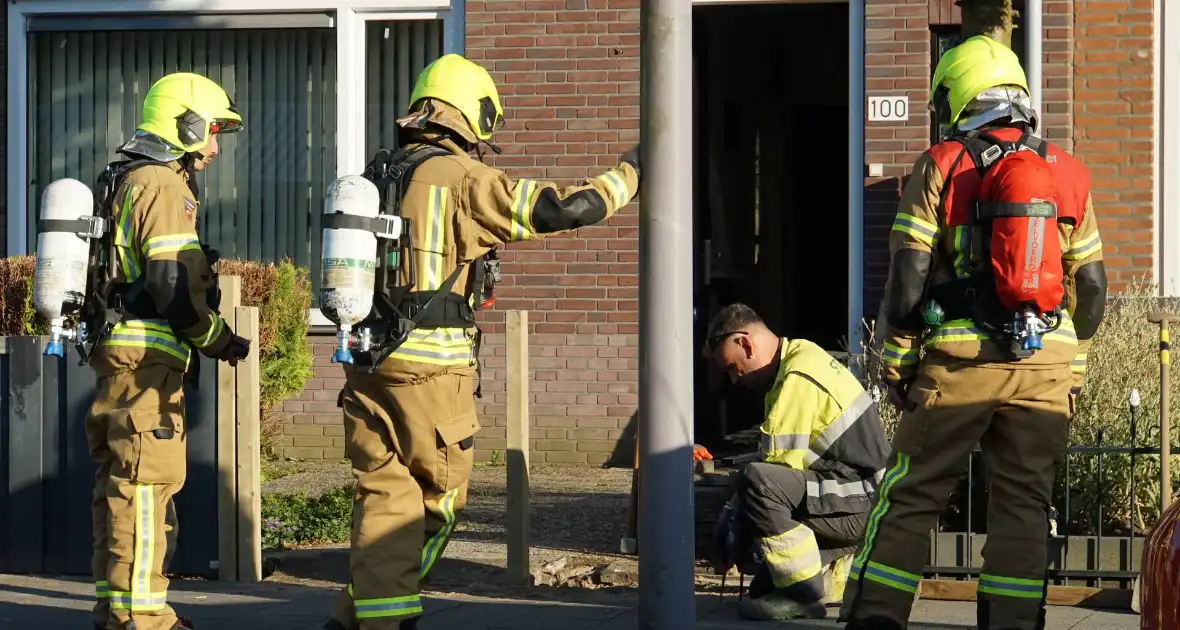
x,y
1166,169
349,21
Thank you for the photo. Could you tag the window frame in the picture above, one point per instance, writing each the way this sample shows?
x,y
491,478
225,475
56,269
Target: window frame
x,y
348,18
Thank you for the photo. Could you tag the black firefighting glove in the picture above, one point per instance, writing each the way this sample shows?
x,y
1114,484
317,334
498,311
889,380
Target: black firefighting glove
x,y
896,393
236,350
632,157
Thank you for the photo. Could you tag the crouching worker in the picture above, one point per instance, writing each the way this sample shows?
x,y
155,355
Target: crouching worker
x,y
797,515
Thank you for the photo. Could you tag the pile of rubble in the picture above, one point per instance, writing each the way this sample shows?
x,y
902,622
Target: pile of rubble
x,y
558,574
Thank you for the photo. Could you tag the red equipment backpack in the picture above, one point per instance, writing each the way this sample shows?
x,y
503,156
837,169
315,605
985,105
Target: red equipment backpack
x,y
1016,208
1019,196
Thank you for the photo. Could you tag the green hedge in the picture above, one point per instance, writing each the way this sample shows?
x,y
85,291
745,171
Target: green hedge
x,y
281,292
1124,356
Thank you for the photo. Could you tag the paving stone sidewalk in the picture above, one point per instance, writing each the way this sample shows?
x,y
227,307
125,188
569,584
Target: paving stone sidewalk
x,y
45,603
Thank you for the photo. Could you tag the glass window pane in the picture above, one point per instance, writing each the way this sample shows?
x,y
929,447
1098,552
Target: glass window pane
x,y
396,51
261,198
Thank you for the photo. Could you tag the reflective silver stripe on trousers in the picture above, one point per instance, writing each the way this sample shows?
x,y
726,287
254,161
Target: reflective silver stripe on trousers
x,y
844,489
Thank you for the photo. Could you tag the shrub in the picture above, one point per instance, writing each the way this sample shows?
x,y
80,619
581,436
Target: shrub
x,y
1123,356
282,294
290,520
17,315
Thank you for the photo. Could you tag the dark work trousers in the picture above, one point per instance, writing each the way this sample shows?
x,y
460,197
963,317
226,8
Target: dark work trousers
x,y
795,545
1020,419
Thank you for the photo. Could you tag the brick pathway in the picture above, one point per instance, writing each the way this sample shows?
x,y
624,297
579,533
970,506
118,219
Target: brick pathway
x,y
41,603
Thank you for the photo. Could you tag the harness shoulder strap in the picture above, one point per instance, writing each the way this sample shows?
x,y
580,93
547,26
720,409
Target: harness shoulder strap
x,y
103,310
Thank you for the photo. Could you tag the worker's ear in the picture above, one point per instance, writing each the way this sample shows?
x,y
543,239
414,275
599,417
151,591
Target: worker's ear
x,y
747,345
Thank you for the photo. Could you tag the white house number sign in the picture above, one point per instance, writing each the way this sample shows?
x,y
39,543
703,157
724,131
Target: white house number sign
x,y
888,108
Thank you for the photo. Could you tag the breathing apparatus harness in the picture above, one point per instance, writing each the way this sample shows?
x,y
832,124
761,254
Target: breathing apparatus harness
x,y
975,297
107,303
399,309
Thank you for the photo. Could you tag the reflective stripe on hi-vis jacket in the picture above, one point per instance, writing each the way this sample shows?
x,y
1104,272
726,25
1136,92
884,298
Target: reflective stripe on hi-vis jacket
x,y
435,346
145,334
819,419
960,330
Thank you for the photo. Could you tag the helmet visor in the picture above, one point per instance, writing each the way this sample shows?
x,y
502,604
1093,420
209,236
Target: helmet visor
x,y
227,125
222,125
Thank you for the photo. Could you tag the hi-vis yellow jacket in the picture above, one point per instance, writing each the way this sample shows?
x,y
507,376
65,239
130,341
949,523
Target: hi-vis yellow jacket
x,y
820,420
158,255
926,224
460,208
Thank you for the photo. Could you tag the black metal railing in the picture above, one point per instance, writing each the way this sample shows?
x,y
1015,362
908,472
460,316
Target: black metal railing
x,y
1088,557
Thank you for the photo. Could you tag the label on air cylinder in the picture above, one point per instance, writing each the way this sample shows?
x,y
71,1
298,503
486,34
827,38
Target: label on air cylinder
x,y
342,273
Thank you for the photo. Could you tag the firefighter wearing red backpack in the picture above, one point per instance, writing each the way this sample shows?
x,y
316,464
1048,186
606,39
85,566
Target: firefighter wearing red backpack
x,y
996,288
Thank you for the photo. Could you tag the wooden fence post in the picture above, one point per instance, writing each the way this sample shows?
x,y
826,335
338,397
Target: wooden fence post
x,y
239,492
227,443
518,446
249,453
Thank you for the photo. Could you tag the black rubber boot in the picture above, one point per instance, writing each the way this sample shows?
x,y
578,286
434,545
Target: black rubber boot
x,y
332,624
183,623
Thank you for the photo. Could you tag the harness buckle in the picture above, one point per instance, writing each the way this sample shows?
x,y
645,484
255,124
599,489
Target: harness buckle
x,y
95,227
991,154
390,227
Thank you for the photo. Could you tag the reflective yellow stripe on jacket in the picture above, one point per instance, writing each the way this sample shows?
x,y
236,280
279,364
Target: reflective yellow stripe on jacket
x,y
961,330
148,333
436,346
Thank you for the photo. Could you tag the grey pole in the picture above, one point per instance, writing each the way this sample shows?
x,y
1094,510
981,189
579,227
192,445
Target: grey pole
x,y
666,523
856,176
1034,56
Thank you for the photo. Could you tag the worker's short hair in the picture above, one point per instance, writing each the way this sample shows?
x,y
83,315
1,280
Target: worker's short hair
x,y
736,317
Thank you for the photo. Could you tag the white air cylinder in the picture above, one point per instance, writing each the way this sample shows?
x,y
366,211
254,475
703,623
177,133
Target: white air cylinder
x,y
349,260
59,282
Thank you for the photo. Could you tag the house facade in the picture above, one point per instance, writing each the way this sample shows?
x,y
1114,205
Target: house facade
x,y
321,81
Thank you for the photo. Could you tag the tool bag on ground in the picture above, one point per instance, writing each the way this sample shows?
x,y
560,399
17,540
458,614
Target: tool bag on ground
x,y
1014,289
397,307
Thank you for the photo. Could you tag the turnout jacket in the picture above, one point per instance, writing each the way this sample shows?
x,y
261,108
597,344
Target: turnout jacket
x,y
821,421
931,241
460,208
163,273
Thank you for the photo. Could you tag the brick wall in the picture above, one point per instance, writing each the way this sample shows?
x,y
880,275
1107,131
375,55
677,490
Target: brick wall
x,y
312,427
568,72
1113,126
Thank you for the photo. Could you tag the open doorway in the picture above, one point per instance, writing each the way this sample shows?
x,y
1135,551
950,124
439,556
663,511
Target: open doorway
x,y
771,155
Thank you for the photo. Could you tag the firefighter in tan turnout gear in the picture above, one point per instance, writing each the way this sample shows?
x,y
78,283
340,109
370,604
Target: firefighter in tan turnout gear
x,y
409,407
802,509
997,274
151,299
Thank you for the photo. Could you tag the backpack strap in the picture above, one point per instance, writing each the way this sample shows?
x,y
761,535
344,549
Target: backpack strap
x,y
104,303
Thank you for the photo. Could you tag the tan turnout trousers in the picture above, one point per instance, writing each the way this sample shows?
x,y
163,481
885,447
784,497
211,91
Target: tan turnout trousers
x,y
136,434
410,449
1020,418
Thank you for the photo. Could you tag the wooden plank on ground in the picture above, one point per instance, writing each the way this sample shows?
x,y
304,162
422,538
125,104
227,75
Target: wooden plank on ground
x,y
1080,596
518,446
249,453
227,443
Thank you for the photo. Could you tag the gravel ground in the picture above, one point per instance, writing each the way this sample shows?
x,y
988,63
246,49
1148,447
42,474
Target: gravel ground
x,y
578,513
595,499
